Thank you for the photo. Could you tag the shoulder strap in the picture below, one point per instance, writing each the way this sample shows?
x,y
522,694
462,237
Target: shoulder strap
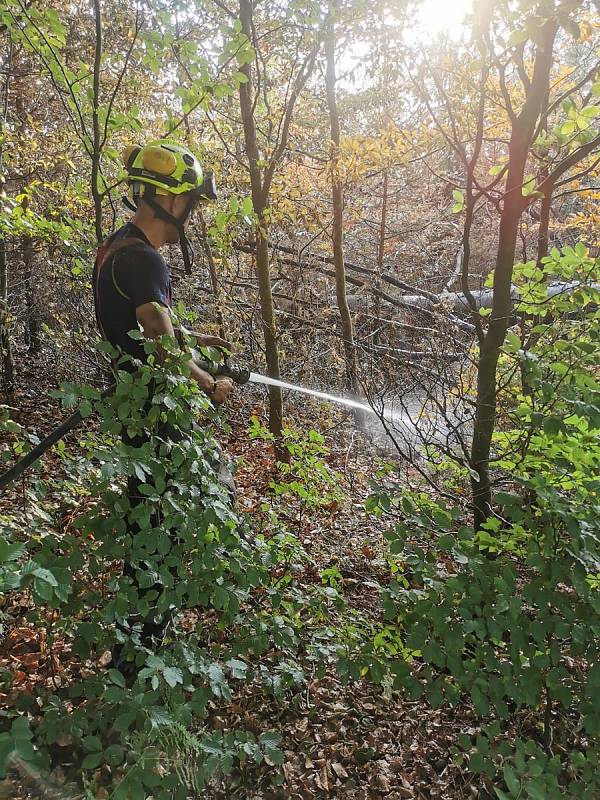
x,y
106,253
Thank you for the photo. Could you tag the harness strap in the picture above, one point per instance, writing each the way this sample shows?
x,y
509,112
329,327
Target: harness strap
x,y
106,252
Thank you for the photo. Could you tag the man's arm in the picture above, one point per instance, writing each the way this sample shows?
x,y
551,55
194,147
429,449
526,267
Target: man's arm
x,y
204,340
156,322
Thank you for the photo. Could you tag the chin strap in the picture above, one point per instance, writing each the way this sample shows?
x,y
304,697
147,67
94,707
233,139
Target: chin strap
x,y
187,251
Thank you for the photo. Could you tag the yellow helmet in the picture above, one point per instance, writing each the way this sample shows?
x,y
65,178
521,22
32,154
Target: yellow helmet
x,y
170,168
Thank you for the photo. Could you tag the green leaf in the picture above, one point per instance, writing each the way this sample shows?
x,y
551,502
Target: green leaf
x,y
117,678
459,201
512,342
480,701
517,37
159,717
477,763
10,551
365,754
7,748
536,789
20,729
238,668
511,779
45,575
92,761
92,744
528,186
173,676
114,755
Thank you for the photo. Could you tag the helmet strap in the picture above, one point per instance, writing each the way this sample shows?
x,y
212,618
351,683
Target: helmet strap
x,y
127,202
187,251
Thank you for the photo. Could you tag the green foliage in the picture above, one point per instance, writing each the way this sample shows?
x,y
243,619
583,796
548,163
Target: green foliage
x,y
510,617
307,477
188,549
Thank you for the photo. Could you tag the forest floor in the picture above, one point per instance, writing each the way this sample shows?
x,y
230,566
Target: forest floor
x,y
355,741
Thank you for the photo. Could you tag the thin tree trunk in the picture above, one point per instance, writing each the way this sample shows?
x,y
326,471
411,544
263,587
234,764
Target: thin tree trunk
x,y
96,151
260,199
8,367
381,254
33,327
33,339
338,212
212,269
520,142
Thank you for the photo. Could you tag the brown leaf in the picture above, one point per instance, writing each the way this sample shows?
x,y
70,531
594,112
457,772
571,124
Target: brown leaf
x,y
339,769
30,659
324,779
382,780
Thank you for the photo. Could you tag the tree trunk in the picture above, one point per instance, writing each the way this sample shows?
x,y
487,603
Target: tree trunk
x,y
381,254
520,142
96,152
338,213
212,269
33,328
8,367
260,199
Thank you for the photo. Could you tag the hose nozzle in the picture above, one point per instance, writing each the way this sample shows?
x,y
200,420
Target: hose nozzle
x,y
237,373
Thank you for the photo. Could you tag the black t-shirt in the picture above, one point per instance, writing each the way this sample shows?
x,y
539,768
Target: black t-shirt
x,y
135,275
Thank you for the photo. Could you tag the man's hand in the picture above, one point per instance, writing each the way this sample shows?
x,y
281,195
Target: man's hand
x,y
223,387
210,341
156,321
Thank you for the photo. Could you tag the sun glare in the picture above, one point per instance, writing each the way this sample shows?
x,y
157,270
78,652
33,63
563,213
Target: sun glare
x,y
442,16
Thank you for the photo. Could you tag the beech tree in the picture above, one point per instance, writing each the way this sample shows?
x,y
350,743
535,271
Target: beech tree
x,y
261,168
